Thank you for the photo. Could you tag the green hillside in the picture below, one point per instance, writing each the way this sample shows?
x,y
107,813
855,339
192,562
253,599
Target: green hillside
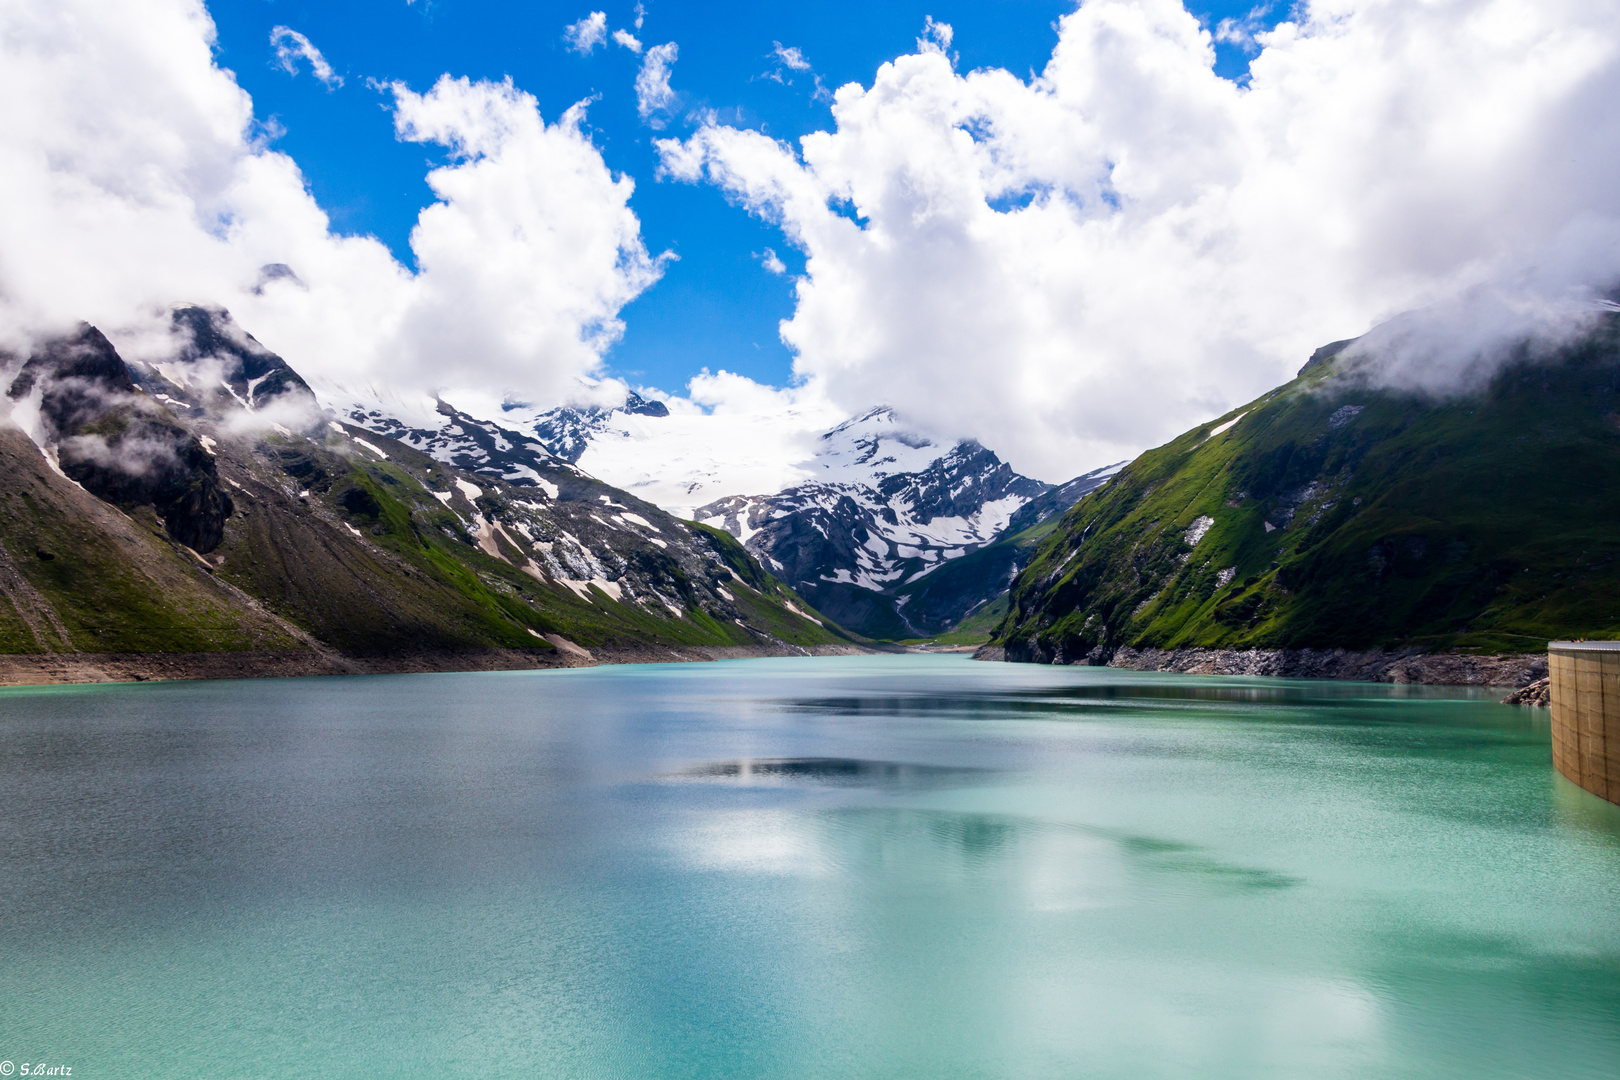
x,y
1329,514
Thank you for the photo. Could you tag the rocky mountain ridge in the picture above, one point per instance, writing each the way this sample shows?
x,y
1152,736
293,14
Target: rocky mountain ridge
x,y
964,599
567,429
203,504
885,507
887,510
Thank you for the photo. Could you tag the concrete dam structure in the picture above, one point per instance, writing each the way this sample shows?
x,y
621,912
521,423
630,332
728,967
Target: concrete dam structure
x,y
1584,679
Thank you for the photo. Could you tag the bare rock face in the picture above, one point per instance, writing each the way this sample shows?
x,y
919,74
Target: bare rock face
x,y
1394,666
120,444
1526,670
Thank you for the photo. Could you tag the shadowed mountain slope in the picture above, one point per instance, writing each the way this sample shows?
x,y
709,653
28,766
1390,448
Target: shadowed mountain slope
x,y
966,598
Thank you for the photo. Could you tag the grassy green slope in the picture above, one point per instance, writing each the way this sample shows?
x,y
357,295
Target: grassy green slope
x,y
1485,523
78,575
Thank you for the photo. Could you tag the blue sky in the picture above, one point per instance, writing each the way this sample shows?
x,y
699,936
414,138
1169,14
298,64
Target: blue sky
x,y
717,306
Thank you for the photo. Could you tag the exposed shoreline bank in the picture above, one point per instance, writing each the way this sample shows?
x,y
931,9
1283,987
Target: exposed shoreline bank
x,y
1399,667
1434,669
56,669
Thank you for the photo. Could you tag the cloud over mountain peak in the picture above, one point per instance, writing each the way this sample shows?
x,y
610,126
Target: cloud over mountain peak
x,y
1088,260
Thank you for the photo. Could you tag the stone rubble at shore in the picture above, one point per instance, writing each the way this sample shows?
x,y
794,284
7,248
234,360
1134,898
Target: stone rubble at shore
x,y
1538,693
1437,669
40,669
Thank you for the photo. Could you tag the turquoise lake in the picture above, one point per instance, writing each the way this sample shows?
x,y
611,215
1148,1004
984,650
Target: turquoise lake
x,y
892,866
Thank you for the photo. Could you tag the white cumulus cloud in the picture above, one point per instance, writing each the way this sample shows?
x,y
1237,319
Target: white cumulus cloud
x,y
291,46
585,35
653,93
728,435
532,248
135,180
1078,265
627,40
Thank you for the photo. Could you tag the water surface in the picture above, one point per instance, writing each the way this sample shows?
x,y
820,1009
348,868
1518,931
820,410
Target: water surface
x,y
909,866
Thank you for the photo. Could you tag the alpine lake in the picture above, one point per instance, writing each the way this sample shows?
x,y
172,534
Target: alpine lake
x,y
877,866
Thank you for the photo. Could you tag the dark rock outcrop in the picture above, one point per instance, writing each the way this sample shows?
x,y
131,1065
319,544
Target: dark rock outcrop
x,y
120,444
255,375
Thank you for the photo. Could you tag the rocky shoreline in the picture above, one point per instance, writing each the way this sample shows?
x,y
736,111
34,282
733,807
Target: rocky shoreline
x,y
1527,672
1400,667
1538,693
46,669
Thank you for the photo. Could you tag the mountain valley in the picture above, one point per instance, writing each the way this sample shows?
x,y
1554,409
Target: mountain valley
x,y
209,503
865,532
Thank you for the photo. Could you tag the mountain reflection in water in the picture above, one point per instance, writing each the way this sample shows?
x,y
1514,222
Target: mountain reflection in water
x,y
834,771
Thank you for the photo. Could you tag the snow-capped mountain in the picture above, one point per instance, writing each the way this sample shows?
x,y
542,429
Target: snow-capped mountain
x,y
449,435
568,430
857,516
884,509
971,591
886,506
855,519
674,458
678,455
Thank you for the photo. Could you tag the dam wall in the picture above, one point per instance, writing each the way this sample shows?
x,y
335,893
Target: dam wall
x,y
1585,684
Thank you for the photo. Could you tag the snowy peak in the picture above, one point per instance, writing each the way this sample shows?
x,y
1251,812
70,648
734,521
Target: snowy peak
x,y
566,431
884,508
451,436
870,448
917,479
680,457
967,483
